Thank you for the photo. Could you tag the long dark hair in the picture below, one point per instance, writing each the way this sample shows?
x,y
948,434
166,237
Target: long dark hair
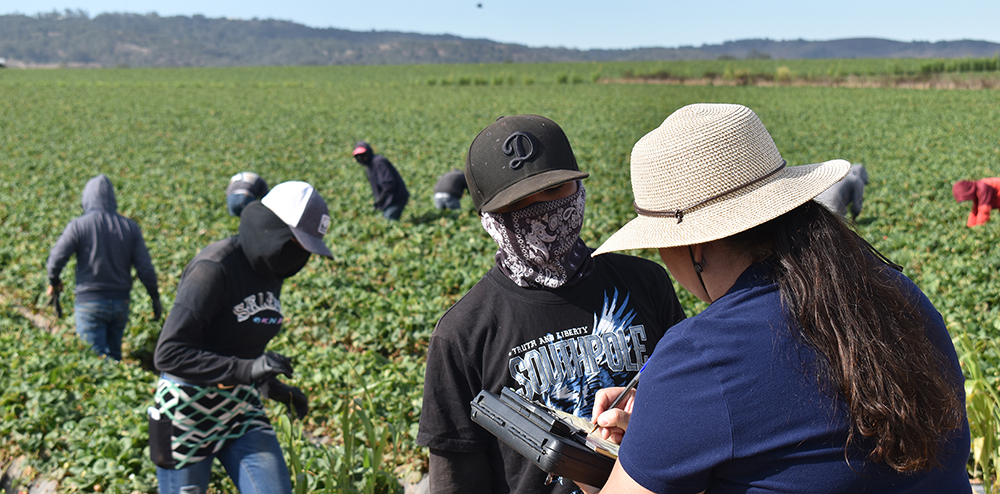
x,y
871,340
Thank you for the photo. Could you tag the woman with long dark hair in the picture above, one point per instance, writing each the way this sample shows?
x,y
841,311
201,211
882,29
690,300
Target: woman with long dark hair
x,y
818,367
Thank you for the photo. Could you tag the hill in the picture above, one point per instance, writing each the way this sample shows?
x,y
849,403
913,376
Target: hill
x,y
148,40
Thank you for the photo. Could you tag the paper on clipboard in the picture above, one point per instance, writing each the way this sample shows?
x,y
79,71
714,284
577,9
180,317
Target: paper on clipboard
x,y
583,429
594,439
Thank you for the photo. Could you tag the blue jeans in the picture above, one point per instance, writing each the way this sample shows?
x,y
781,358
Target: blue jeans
x,y
236,202
102,323
254,462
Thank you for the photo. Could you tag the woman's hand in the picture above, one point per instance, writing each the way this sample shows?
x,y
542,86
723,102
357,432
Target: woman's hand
x,y
613,422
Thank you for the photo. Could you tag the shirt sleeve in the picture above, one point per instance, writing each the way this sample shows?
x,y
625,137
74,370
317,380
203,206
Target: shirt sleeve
x,y
59,255
449,387
985,195
144,265
180,348
981,215
680,427
386,180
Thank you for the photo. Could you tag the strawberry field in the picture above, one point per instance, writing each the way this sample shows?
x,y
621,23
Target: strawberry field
x,y
357,326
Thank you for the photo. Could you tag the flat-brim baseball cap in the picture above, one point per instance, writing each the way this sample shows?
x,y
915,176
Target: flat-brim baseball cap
x,y
515,157
304,211
711,171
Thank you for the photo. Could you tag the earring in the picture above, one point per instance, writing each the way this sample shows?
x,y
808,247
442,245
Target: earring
x,y
698,266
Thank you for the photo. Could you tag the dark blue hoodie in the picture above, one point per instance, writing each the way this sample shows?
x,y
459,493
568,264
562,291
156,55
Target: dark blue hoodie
x,y
388,187
106,245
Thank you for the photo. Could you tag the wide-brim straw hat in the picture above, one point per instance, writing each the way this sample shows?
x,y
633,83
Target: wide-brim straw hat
x,y
711,171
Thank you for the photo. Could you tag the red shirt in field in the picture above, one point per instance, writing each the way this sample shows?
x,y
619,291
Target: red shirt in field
x,y
982,193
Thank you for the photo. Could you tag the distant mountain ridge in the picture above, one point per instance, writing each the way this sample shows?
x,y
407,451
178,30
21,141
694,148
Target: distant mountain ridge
x,y
148,40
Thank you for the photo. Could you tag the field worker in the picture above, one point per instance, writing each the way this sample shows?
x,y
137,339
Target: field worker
x,y
849,191
818,367
982,193
211,353
449,189
106,245
388,188
244,188
546,320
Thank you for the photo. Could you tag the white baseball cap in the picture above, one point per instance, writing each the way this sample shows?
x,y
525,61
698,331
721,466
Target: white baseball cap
x,y
304,211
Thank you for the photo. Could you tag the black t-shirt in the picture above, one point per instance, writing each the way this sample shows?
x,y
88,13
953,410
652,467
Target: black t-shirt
x,y
223,317
557,347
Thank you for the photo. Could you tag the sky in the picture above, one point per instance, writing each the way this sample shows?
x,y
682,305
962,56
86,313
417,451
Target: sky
x,y
589,24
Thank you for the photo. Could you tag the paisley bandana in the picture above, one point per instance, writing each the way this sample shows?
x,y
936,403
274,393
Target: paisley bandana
x,y
540,245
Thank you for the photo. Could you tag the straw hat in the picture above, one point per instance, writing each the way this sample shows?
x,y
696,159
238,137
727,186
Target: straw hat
x,y
711,171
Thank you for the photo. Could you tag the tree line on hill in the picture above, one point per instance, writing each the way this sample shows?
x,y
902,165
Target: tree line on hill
x,y
73,38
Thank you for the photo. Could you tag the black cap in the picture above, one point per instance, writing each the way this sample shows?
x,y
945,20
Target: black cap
x,y
516,157
247,183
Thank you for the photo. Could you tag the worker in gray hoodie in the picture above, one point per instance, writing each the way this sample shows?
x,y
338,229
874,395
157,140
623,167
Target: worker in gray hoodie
x,y
849,191
106,245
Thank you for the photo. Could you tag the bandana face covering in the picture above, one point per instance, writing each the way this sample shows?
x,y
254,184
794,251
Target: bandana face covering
x,y
540,245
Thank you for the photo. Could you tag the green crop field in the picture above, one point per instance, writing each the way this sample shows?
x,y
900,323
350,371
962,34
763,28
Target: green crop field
x,y
358,325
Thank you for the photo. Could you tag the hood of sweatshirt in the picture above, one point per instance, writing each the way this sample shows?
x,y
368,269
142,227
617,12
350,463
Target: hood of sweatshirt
x,y
99,195
267,242
363,147
363,153
858,170
964,190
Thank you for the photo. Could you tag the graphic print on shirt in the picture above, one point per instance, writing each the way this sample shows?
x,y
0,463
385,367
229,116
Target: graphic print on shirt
x,y
565,369
260,302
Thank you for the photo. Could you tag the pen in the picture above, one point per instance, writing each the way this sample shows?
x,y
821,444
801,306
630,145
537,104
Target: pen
x,y
631,384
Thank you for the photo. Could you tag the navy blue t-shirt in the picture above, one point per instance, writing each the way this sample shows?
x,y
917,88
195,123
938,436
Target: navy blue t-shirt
x,y
727,403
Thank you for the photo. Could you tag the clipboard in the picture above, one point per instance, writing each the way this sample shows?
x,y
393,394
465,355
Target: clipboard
x,y
556,442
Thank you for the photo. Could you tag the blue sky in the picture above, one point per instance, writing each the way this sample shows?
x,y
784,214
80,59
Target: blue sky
x,y
587,24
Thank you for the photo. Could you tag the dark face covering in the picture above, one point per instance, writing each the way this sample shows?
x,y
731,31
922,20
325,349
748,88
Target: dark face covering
x,y
540,245
290,260
269,243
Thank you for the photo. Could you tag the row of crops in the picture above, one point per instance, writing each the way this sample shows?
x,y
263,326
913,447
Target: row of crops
x,y
358,325
811,69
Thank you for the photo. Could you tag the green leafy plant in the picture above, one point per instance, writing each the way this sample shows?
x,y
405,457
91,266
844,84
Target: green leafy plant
x,y
783,74
980,357
355,465
358,325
